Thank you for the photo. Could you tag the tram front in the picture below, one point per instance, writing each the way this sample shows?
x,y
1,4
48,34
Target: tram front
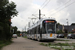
x,y
49,26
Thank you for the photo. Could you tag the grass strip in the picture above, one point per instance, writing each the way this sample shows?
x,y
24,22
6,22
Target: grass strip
x,y
59,46
25,36
4,43
61,40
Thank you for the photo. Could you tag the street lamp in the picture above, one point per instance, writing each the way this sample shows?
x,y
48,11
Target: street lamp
x,y
67,25
67,22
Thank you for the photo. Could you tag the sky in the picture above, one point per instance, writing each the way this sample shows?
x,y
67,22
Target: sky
x,y
61,10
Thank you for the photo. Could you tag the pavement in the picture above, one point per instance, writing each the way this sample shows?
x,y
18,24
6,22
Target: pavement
x,y
21,43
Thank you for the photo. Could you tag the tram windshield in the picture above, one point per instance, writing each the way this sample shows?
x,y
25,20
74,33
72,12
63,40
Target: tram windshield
x,y
50,26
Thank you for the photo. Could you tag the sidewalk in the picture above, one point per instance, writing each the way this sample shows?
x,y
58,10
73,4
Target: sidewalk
x,y
26,44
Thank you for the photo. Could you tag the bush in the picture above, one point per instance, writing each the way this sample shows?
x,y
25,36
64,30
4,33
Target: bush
x,y
4,43
60,31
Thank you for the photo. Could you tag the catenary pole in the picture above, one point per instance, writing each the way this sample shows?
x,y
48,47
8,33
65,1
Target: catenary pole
x,y
39,14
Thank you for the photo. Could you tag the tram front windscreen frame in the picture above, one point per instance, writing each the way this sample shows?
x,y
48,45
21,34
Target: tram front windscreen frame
x,y
49,26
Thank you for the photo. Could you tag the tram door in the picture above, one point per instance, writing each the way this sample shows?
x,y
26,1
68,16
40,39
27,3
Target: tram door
x,y
40,32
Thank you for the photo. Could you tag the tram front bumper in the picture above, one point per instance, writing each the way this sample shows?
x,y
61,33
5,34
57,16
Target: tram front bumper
x,y
48,38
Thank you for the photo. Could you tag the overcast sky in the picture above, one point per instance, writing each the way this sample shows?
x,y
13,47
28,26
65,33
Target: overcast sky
x,y
58,9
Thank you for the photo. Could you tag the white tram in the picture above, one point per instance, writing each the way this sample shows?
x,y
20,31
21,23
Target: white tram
x,y
44,29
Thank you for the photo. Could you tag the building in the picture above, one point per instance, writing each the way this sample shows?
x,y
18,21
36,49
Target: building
x,y
66,28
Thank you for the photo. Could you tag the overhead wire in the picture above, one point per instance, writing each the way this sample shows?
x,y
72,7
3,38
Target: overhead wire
x,y
60,6
46,4
63,8
57,7
43,5
40,6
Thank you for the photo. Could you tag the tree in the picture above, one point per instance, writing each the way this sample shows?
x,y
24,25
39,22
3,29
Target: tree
x,y
15,30
3,3
18,33
6,11
57,25
59,32
73,24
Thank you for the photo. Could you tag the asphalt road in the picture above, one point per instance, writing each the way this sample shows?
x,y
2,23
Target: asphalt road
x,y
25,44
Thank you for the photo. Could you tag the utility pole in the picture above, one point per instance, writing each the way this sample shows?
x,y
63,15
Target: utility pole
x,y
39,14
29,24
35,18
25,28
67,26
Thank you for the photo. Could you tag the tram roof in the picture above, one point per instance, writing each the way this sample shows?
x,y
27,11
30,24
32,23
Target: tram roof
x,y
39,22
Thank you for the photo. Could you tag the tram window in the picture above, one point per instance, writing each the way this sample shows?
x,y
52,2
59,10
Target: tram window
x,y
50,27
43,28
34,30
39,29
30,31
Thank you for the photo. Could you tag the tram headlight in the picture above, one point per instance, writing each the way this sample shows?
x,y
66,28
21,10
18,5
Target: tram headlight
x,y
55,34
45,35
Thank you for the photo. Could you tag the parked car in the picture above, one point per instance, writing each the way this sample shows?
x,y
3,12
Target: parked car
x,y
71,36
14,35
60,36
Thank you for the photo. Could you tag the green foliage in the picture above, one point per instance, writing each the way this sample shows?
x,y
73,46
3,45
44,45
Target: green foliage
x,y
58,24
73,24
49,43
18,33
25,36
62,44
11,9
6,11
41,43
4,43
60,31
44,44
15,30
3,3
61,40
1,33
59,46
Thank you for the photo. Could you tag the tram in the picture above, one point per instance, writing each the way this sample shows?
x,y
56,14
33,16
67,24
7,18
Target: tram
x,y
44,29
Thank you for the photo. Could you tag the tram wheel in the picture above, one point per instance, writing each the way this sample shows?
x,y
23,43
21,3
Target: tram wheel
x,y
39,39
32,38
